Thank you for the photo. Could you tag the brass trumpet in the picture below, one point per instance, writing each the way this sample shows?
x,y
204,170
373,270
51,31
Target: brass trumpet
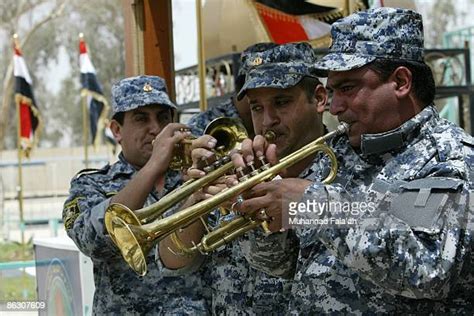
x,y
228,132
135,240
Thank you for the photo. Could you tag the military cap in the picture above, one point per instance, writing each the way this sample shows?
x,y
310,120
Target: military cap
x,y
134,92
360,38
255,48
280,67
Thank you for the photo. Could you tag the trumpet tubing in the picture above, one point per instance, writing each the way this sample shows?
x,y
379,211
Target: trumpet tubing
x,y
229,133
135,240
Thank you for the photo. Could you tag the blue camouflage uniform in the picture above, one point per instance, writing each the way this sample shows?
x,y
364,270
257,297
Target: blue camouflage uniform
x,y
265,294
199,122
410,249
412,254
119,290
237,288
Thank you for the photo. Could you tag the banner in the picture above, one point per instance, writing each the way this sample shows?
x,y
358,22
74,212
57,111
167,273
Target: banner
x,y
30,120
97,105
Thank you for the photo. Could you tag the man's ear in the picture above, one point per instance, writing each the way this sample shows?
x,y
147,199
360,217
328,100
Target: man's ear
x,y
321,97
116,129
402,79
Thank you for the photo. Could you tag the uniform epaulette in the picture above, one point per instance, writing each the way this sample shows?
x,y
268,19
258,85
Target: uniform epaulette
x,y
449,142
468,140
92,171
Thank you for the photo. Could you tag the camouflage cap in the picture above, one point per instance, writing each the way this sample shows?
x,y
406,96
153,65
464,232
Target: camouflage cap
x,y
255,48
280,67
134,92
360,38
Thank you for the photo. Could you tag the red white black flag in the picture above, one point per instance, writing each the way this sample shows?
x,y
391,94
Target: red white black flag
x,y
30,120
96,103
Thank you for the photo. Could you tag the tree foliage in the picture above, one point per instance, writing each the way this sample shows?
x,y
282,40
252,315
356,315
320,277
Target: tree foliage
x,y
443,16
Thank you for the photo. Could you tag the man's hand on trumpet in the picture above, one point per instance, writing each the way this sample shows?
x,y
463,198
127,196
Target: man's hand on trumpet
x,y
266,200
202,151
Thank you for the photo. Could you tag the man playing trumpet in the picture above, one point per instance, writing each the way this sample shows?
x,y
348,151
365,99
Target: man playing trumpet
x,y
142,124
287,99
394,233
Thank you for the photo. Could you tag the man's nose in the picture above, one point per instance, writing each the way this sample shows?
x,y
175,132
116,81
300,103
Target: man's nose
x,y
337,105
270,117
155,127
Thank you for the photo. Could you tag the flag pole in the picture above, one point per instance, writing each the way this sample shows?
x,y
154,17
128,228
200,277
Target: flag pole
x,y
20,177
85,130
85,126
20,182
201,59
20,163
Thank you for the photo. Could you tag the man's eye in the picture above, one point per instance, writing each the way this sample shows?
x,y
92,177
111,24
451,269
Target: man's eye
x,y
346,88
281,102
255,108
140,118
164,118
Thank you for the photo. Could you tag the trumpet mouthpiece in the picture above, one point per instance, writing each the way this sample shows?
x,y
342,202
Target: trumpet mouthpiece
x,y
343,128
270,136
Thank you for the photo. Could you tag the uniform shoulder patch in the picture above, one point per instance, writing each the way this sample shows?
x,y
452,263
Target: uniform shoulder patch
x,y
468,140
92,171
110,194
71,212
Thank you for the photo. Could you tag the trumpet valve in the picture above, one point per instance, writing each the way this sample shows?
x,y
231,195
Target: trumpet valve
x,y
220,150
241,175
265,228
253,171
217,164
225,159
209,166
264,163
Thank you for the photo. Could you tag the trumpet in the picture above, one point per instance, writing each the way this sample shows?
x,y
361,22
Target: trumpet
x,y
135,239
229,133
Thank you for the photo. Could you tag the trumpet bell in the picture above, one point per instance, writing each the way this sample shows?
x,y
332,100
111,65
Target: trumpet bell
x,y
119,210
229,133
133,244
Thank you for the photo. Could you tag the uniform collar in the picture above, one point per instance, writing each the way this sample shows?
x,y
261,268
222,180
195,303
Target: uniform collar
x,y
400,137
124,166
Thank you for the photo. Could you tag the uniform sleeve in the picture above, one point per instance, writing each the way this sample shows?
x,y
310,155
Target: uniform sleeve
x,y
276,254
413,242
83,217
198,123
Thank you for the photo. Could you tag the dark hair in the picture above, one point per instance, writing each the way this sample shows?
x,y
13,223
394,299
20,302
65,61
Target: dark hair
x,y
119,117
423,81
239,83
308,84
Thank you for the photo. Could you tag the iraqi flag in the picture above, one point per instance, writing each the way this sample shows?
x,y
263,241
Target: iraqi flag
x,y
97,105
302,20
30,120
